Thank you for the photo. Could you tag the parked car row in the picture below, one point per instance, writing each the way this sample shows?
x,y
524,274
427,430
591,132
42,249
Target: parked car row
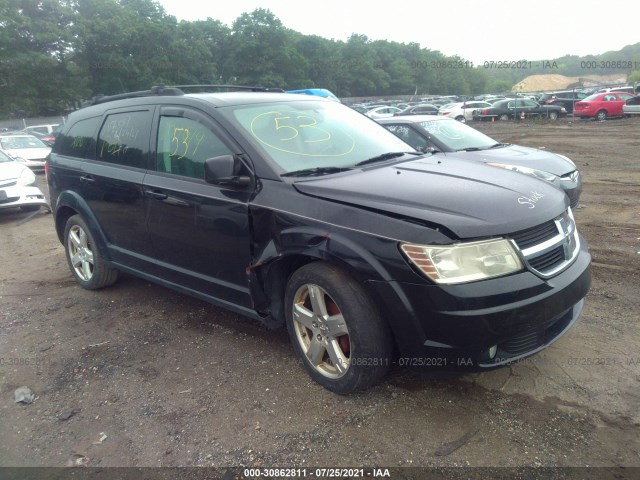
x,y
598,104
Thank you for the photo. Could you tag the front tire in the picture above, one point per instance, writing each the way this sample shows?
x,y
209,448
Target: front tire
x,y
553,115
84,258
335,328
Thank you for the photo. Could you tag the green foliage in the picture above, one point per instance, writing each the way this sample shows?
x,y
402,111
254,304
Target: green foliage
x,y
37,73
55,53
634,77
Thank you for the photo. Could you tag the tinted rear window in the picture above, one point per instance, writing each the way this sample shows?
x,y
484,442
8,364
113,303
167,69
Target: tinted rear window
x,y
79,141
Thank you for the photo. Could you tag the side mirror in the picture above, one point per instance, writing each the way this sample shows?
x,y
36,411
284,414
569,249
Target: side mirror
x,y
426,149
226,170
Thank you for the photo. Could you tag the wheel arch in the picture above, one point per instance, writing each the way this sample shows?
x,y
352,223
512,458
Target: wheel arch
x,y
69,204
281,257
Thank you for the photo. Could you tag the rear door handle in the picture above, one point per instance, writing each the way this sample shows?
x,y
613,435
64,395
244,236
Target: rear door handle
x,y
88,179
156,194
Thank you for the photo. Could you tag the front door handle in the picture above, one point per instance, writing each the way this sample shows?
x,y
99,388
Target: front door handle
x,y
156,194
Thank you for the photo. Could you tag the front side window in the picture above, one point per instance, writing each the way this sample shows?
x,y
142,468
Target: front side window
x,y
124,139
184,145
410,136
457,136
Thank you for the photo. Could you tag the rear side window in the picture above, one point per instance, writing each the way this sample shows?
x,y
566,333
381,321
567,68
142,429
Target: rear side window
x,y
183,146
124,139
80,140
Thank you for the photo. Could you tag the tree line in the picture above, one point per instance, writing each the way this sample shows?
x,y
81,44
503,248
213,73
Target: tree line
x,y
55,53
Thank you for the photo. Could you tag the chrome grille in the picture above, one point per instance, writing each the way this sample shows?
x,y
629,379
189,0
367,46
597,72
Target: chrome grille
x,y
551,247
548,260
532,236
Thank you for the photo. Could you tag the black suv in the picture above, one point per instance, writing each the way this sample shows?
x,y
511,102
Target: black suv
x,y
297,210
565,98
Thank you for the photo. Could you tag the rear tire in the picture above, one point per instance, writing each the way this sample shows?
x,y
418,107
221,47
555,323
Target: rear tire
x,y
461,119
336,329
84,258
601,115
504,117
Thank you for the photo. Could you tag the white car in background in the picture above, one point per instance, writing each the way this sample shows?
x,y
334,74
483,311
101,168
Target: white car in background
x,y
383,112
42,129
18,186
631,106
463,111
26,149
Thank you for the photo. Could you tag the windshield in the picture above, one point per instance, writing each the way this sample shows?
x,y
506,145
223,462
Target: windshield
x,y
5,158
456,135
10,143
302,135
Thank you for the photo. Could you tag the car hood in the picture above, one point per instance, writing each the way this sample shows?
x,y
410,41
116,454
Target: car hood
x,y
466,197
523,157
10,170
29,153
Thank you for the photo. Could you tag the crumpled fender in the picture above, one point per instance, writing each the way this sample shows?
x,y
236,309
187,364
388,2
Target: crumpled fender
x,y
279,240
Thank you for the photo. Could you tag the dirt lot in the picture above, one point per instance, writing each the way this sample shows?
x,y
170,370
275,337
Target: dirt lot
x,y
136,375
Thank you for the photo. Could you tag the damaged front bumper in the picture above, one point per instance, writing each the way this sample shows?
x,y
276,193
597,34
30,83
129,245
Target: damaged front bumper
x,y
22,196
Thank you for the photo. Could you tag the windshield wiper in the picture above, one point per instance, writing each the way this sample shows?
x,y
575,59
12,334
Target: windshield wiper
x,y
385,156
309,172
477,149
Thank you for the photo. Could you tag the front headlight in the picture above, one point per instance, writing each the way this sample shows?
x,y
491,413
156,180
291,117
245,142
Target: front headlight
x,y
464,262
26,177
541,174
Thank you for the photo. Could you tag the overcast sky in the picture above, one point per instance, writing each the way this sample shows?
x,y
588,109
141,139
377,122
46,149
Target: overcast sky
x,y
476,30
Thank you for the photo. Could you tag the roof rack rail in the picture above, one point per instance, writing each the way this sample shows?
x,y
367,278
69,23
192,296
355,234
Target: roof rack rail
x,y
172,90
229,87
155,90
